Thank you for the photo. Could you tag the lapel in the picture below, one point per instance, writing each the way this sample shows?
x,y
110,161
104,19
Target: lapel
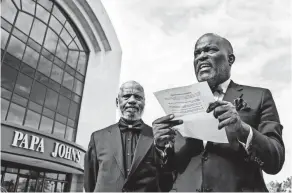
x,y
233,91
144,143
116,143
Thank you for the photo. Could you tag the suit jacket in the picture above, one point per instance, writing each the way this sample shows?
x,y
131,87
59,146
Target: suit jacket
x,y
104,167
229,167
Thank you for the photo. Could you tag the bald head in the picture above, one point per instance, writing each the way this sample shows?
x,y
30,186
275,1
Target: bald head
x,y
223,41
131,100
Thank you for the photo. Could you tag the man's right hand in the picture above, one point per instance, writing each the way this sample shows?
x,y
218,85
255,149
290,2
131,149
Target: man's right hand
x,y
162,129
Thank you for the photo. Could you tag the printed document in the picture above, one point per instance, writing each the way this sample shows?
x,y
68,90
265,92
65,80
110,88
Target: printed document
x,y
190,103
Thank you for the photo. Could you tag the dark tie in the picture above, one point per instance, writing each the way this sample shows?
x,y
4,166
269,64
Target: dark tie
x,y
126,125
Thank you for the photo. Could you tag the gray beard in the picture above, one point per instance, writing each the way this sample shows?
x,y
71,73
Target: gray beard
x,y
135,117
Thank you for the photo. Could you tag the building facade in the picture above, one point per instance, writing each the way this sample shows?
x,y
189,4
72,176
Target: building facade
x,y
60,68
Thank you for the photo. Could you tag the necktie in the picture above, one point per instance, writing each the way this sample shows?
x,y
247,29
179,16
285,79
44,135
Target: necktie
x,y
126,125
217,92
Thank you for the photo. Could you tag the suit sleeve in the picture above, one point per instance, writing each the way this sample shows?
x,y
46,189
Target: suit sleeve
x,y
90,167
267,147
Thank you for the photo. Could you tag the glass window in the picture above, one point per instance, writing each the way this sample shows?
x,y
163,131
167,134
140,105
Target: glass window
x,y
9,182
79,77
65,36
22,171
49,113
33,44
73,46
38,93
5,93
82,63
45,66
70,123
26,69
61,118
51,99
42,78
51,175
51,41
73,58
10,10
38,31
70,29
56,25
68,81
73,110
4,38
8,77
35,107
46,125
65,92
24,22
20,35
76,98
62,177
11,60
15,47
28,6
42,14
31,57
47,54
57,73
19,100
46,4
15,114
63,105
70,70
59,129
69,133
57,13
39,185
77,87
23,85
31,185
60,186
21,184
32,119
78,43
62,50
59,62
54,85
4,108
49,186
12,170
5,25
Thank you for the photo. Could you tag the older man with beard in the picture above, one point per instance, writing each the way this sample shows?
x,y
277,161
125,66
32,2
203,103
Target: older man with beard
x,y
120,157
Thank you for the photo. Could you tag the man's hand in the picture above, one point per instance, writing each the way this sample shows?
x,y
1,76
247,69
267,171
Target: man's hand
x,y
229,118
162,129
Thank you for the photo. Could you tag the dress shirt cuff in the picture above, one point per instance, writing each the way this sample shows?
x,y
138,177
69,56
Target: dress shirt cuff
x,y
162,152
248,141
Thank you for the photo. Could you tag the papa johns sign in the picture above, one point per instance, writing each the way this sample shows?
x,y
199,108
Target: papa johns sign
x,y
35,143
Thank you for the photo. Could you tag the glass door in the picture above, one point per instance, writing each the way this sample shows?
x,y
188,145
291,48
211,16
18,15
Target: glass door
x,y
21,185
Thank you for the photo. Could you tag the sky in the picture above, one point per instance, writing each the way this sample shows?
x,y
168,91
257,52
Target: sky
x,y
158,38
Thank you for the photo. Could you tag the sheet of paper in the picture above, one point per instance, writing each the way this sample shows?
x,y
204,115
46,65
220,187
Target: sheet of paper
x,y
190,103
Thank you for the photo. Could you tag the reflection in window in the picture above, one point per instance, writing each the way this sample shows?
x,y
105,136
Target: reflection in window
x,y
77,87
15,114
4,108
46,125
19,100
26,69
63,105
23,85
9,182
69,133
72,58
51,99
10,10
57,73
49,186
38,31
21,184
49,113
51,41
68,81
31,57
15,47
28,6
8,77
35,107
45,66
38,93
39,187
82,63
59,129
24,22
62,50
31,185
5,94
57,13
42,14
4,38
32,119
73,110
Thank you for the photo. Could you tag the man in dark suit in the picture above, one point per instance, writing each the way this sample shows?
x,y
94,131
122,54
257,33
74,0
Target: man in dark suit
x,y
120,158
252,125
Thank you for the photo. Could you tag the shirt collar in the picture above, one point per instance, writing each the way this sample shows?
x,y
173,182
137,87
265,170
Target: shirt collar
x,y
225,85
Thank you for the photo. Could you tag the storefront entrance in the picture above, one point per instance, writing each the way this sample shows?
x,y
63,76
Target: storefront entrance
x,y
21,178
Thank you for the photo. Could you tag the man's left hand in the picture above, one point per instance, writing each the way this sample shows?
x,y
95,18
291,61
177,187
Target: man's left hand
x,y
229,118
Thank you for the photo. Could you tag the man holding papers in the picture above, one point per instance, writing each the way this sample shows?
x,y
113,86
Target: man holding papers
x,y
247,114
